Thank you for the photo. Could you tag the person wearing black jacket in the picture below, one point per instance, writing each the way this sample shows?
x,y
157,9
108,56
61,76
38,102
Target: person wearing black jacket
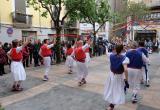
x,y
6,48
30,47
36,48
2,60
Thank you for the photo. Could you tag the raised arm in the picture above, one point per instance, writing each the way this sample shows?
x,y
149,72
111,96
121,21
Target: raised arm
x,y
87,45
108,53
51,45
27,42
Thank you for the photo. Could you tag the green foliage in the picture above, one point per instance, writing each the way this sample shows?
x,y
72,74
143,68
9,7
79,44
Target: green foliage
x,y
92,11
133,9
54,9
1,108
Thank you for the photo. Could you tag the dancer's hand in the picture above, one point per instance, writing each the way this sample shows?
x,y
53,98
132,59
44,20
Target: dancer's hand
x,y
89,41
126,84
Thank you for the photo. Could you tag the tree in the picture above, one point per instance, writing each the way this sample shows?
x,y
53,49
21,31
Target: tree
x,y
135,10
55,9
93,11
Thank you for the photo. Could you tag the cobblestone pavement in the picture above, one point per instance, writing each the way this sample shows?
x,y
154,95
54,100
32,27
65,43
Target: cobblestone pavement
x,y
62,93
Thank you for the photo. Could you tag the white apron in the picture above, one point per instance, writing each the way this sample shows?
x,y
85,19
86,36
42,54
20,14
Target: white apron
x,y
18,71
114,89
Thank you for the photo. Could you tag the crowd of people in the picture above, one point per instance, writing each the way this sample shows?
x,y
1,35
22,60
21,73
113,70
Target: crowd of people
x,y
128,64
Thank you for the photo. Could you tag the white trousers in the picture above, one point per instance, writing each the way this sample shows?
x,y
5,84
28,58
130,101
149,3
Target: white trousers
x,y
47,64
145,73
69,62
134,79
82,70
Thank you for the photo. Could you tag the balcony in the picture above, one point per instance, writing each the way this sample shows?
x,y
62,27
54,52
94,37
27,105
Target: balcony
x,y
21,20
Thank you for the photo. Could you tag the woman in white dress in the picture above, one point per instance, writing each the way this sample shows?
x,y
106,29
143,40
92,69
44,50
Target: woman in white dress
x,y
17,69
114,88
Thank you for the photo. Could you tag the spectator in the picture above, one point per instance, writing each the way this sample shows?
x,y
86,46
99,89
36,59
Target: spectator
x,y
6,48
30,47
36,48
2,60
25,52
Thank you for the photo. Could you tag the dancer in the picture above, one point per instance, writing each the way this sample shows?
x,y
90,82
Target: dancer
x,y
135,69
114,87
69,59
45,53
145,74
17,69
80,56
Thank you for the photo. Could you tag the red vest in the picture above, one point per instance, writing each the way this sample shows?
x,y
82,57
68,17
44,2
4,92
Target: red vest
x,y
45,51
69,51
87,50
16,56
80,54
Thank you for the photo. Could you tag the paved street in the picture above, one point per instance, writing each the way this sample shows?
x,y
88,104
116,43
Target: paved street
x,y
62,93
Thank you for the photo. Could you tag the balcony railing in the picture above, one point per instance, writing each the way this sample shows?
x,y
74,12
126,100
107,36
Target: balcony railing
x,y
21,20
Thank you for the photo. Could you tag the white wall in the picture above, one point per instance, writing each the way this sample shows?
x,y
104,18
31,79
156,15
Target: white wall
x,y
17,33
4,37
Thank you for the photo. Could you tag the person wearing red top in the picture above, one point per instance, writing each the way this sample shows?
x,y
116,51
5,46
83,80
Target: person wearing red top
x,y
17,69
69,59
80,56
45,53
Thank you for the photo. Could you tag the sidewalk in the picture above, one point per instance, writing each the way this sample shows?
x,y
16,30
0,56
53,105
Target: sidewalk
x,y
62,92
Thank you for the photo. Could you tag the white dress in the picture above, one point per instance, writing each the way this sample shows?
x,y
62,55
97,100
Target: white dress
x,y
17,68
114,87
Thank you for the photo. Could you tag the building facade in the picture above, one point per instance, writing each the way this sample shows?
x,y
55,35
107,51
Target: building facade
x,y
19,21
149,29
117,5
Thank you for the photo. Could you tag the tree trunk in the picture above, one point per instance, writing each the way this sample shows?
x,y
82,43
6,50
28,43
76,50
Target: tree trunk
x,y
58,45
